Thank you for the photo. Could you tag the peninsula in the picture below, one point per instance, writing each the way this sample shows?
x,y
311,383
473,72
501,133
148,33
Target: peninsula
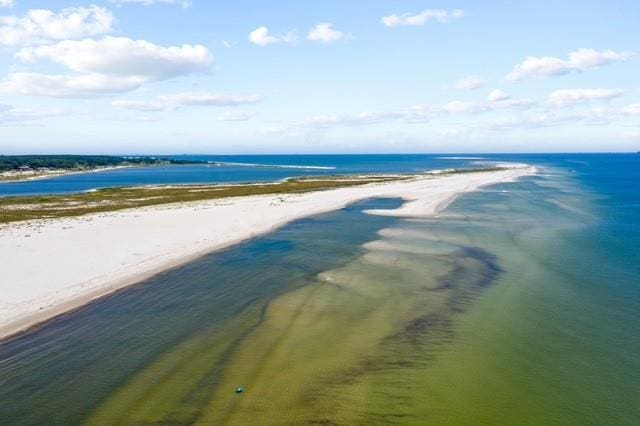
x,y
28,167
53,265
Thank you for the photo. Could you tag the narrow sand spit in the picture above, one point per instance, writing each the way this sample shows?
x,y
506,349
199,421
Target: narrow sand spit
x,y
52,266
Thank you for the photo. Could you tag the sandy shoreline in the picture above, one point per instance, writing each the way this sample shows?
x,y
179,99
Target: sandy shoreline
x,y
26,177
52,266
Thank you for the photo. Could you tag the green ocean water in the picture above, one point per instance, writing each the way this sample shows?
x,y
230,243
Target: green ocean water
x,y
517,305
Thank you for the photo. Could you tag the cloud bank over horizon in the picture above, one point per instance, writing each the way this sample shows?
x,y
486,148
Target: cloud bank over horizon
x,y
180,75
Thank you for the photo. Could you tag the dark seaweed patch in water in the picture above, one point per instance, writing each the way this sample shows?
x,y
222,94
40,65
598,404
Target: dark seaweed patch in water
x,y
417,327
325,422
470,280
489,271
474,269
421,339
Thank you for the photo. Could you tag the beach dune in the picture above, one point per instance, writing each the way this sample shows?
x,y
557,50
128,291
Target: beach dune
x,y
52,266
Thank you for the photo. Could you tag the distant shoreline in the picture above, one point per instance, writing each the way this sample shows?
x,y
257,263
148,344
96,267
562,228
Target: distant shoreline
x,y
56,173
19,168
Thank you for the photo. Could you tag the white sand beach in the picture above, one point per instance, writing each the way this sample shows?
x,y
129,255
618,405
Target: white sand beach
x,y
52,266
20,176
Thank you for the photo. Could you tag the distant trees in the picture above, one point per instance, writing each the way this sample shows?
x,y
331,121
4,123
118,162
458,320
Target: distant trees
x,y
16,162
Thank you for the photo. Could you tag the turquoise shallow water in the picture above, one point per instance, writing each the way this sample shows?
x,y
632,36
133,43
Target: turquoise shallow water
x,y
520,304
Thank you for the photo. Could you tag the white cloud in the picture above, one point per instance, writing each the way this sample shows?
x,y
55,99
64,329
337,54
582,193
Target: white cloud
x,y
139,105
262,37
136,118
67,86
633,109
469,83
13,115
418,19
583,59
121,56
41,25
497,95
280,131
496,104
184,3
453,132
418,114
359,119
498,99
461,107
579,60
209,99
7,3
633,135
513,103
415,114
326,121
568,97
176,101
325,33
108,65
593,117
234,116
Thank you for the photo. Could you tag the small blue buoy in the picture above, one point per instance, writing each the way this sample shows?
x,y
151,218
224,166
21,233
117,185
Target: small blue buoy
x,y
240,389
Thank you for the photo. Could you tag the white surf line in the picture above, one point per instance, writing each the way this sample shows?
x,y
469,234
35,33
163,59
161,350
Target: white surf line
x,y
276,166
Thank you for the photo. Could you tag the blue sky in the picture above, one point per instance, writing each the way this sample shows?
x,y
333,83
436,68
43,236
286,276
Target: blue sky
x,y
175,76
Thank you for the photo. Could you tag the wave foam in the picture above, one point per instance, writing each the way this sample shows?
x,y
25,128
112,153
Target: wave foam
x,y
276,166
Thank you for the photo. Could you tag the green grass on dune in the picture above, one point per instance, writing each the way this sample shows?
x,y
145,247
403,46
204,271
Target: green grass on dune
x,y
14,209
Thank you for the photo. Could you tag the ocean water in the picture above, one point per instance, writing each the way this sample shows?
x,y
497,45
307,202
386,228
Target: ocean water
x,y
238,169
519,304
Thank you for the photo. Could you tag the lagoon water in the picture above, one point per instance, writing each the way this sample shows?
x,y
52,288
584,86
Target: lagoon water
x,y
519,304
237,169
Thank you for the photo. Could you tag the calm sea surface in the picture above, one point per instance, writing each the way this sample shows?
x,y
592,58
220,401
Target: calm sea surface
x,y
520,304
